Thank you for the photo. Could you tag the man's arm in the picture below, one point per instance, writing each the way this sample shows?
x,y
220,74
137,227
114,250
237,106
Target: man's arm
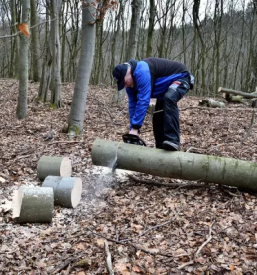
x,y
142,78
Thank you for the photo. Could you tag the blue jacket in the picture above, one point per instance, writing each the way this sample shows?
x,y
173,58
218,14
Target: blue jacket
x,y
152,78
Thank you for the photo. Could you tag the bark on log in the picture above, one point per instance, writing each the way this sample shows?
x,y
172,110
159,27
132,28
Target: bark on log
x,y
67,190
232,98
33,205
180,165
234,92
54,166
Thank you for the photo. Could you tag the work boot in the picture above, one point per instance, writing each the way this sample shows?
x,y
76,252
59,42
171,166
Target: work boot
x,y
170,146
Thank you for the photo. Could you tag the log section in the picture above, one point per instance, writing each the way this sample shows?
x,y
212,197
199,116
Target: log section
x,y
67,190
33,205
54,166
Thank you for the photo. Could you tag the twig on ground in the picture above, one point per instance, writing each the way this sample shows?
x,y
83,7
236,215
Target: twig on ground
x,y
64,265
154,227
157,183
107,109
129,243
205,243
108,258
63,141
152,182
68,270
250,127
199,249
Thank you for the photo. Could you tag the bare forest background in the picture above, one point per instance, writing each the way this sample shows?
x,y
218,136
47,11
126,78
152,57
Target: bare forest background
x,y
217,40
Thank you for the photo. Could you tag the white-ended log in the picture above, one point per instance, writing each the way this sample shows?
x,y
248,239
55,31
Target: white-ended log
x,y
67,190
180,165
234,92
33,205
55,166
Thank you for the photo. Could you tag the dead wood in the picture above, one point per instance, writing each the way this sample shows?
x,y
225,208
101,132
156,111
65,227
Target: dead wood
x,y
199,249
138,247
235,92
108,258
159,183
250,127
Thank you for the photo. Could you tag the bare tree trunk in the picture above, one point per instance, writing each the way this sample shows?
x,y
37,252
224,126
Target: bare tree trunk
x,y
21,111
55,48
134,30
78,106
35,43
218,14
47,65
150,33
197,26
15,41
98,51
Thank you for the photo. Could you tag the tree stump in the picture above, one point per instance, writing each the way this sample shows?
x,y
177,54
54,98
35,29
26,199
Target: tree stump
x,y
33,205
67,190
54,166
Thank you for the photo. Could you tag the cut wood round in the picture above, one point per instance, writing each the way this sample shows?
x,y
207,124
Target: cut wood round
x,y
67,190
55,166
33,205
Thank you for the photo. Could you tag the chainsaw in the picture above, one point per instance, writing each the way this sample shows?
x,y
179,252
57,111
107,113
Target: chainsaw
x,y
130,139
133,139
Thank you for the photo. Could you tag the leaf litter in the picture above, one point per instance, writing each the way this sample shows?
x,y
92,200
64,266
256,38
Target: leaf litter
x,y
153,225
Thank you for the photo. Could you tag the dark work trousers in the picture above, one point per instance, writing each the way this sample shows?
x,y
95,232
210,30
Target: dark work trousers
x,y
166,115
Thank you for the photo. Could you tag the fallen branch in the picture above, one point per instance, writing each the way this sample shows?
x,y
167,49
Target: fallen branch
x,y
108,259
157,183
63,141
215,109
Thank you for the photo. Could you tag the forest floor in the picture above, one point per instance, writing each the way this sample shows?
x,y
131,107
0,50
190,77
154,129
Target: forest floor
x,y
152,225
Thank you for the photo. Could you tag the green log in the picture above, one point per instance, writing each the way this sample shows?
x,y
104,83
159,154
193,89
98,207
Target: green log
x,y
179,165
67,190
55,166
33,205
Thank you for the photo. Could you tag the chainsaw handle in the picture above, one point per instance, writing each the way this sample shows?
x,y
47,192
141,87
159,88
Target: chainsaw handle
x,y
133,139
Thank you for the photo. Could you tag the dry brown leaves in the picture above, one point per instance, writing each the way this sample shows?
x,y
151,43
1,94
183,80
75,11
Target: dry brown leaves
x,y
211,229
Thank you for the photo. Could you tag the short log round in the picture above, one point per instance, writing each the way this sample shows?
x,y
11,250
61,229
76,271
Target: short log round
x,y
67,190
55,166
33,205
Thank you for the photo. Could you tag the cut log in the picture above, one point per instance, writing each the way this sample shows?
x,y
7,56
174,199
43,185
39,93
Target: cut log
x,y
180,165
232,98
211,103
234,92
54,166
67,190
33,205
